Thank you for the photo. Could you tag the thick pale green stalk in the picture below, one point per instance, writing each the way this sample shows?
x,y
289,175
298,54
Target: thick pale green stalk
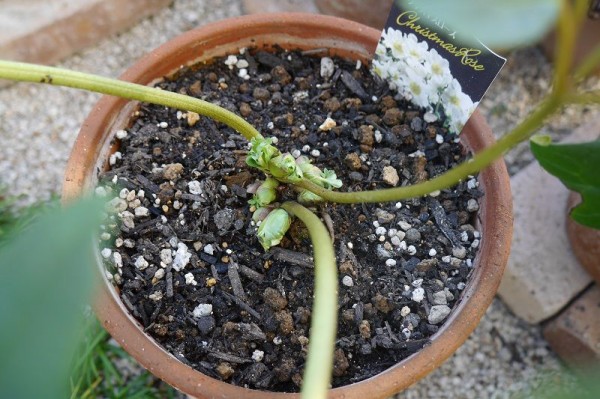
x,y
588,97
323,328
453,176
563,57
24,72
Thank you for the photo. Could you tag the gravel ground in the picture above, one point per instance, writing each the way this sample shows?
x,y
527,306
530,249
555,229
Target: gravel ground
x,y
504,358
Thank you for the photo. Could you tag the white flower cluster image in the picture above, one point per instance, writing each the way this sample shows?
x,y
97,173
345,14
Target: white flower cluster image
x,y
421,75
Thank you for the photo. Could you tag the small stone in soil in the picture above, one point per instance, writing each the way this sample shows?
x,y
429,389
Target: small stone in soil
x,y
390,176
438,313
203,309
418,294
347,281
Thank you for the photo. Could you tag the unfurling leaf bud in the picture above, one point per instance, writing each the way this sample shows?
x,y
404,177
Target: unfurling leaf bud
x,y
261,153
265,193
284,167
273,228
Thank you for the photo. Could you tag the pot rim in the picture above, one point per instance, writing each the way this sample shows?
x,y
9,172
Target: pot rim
x,y
344,38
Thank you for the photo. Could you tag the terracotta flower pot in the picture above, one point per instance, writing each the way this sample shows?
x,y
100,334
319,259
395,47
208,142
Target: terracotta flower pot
x,y
585,241
372,13
291,31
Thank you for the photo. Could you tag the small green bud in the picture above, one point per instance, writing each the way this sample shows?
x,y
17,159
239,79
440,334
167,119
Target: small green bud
x,y
265,193
273,228
330,179
284,167
261,153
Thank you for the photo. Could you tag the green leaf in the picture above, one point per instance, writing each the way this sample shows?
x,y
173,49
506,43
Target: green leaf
x,y
577,166
497,24
45,280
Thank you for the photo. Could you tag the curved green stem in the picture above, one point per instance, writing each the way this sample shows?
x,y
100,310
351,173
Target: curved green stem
x,y
563,57
24,72
533,122
317,372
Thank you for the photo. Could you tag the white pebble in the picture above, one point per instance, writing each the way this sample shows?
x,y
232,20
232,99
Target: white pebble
x,y
411,250
464,236
315,153
350,245
118,259
430,117
475,244
112,160
392,232
398,205
358,64
141,263
306,148
121,134
189,279
390,262
209,249
327,67
296,153
405,311
275,140
105,236
380,231
258,356
163,125
461,286
472,184
435,193
119,242
432,252
156,296
141,211
195,187
166,256
204,309
277,340
417,283
378,136
160,273
231,61
376,223
396,241
182,257
123,193
347,281
439,139
270,125
404,225
242,73
106,253
418,294
242,64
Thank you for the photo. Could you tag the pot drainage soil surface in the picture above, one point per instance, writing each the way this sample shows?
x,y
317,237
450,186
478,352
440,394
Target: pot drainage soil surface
x,y
183,252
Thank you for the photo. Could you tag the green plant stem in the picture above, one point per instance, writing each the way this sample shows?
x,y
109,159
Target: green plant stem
x,y
24,72
323,328
523,131
563,57
588,97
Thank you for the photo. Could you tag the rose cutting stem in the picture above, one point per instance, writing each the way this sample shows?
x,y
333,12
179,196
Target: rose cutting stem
x,y
25,72
323,328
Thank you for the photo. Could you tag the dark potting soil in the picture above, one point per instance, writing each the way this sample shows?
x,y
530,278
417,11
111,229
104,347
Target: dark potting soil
x,y
183,251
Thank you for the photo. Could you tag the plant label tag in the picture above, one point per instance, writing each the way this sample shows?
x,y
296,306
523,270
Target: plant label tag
x,y
425,63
